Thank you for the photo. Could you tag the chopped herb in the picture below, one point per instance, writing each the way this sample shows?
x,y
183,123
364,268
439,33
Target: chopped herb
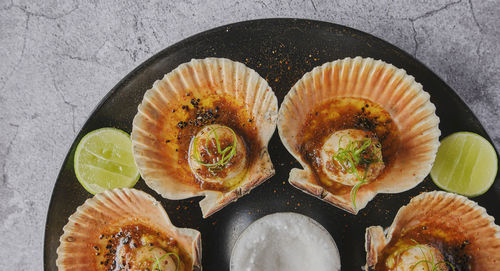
x,y
435,266
224,155
349,158
157,267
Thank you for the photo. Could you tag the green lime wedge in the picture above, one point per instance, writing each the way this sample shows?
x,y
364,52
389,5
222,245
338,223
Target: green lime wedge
x,y
466,164
104,160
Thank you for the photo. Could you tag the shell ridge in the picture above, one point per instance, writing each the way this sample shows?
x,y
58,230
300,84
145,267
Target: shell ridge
x,y
144,116
305,97
377,69
206,74
354,75
249,99
382,81
404,105
171,91
370,73
328,84
395,82
258,107
195,74
336,78
157,110
254,109
227,78
164,91
190,73
244,79
269,120
299,99
363,74
342,75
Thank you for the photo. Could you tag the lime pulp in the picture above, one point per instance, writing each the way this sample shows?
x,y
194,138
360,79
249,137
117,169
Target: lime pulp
x,y
104,160
466,164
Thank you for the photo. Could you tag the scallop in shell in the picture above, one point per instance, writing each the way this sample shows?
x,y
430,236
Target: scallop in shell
x,y
436,231
358,127
203,130
126,228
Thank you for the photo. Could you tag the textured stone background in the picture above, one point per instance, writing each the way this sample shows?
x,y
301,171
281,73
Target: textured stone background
x,y
59,58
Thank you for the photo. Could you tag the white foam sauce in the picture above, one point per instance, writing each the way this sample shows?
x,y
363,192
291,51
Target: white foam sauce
x,y
285,241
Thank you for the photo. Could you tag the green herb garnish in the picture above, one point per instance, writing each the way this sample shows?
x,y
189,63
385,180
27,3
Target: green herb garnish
x,y
157,267
224,156
349,158
435,266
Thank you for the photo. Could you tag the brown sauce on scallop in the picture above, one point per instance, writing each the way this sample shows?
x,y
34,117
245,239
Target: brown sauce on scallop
x,y
448,240
130,238
210,150
339,114
195,113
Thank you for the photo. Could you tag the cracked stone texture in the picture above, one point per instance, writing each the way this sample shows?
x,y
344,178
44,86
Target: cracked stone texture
x,y
59,58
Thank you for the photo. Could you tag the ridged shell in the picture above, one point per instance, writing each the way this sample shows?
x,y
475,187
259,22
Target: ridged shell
x,y
452,211
110,210
381,83
221,77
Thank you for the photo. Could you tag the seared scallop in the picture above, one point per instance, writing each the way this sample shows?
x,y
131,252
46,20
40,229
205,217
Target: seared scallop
x,y
126,229
336,165
358,127
217,154
203,130
435,231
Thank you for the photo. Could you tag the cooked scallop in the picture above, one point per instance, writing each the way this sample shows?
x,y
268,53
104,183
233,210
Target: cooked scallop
x,y
203,130
205,161
343,140
126,229
358,127
152,257
435,231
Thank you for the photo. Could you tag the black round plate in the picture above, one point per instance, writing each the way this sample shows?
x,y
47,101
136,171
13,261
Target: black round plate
x,y
280,50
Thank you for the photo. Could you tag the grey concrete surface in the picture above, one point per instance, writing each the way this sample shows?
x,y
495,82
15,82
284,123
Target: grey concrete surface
x,y
59,58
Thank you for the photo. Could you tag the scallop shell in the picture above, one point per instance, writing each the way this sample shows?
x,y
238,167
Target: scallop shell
x,y
110,210
452,211
381,83
211,76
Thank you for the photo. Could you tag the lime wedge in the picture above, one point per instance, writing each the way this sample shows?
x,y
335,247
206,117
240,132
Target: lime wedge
x,y
104,160
466,164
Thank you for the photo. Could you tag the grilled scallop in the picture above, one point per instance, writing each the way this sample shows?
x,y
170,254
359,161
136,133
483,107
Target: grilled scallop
x,y
358,127
436,231
126,229
203,130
